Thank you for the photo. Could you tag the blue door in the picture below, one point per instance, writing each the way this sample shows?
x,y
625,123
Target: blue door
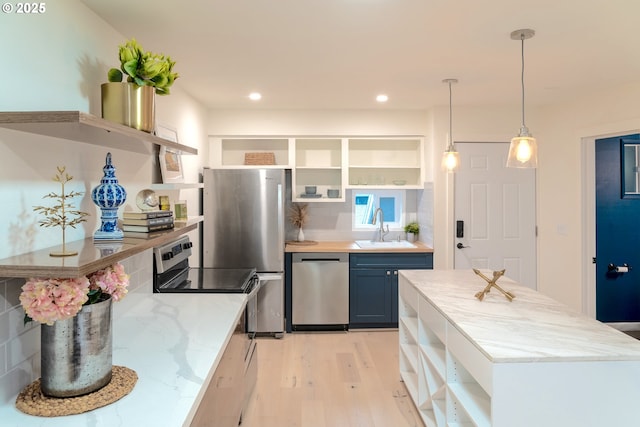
x,y
618,229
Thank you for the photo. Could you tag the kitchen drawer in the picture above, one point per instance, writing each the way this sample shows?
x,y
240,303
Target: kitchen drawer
x,y
392,260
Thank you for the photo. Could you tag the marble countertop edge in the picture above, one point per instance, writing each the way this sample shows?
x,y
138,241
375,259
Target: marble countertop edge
x,y
531,328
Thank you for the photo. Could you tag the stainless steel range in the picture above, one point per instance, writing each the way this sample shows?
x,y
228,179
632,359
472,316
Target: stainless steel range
x,y
172,274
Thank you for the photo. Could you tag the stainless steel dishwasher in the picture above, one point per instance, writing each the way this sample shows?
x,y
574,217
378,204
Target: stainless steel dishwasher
x,y
320,291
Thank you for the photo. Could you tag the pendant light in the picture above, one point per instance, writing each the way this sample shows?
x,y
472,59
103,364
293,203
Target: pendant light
x,y
450,158
523,151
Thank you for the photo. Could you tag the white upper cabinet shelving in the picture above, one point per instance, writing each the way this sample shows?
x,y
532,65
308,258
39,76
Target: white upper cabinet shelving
x,y
385,162
232,152
319,162
330,163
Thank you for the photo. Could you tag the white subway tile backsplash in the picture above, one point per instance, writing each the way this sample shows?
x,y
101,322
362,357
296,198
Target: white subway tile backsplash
x,y
23,347
4,327
15,380
14,288
3,299
3,359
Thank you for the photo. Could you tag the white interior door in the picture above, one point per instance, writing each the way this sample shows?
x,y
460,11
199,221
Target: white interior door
x,y
496,205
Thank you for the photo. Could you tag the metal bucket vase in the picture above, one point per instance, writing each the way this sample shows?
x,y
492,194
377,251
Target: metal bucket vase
x,y
129,104
76,352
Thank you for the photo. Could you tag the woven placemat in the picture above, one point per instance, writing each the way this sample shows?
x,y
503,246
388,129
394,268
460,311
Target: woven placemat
x,y
31,400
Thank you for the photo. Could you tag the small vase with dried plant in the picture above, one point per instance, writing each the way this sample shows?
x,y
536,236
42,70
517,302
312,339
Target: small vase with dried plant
x,y
298,215
62,213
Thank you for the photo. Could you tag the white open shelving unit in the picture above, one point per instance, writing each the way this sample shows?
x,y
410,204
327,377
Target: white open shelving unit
x,y
331,162
80,127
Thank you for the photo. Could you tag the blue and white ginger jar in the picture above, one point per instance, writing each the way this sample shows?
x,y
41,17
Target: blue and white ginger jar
x,y
109,196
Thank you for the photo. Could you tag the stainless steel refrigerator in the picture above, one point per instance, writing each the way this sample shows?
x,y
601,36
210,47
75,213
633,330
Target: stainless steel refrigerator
x,y
244,227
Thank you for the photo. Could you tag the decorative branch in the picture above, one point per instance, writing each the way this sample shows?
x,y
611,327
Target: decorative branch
x,y
62,213
298,214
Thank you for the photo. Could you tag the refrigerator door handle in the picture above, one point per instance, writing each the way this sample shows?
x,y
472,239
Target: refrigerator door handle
x,y
281,230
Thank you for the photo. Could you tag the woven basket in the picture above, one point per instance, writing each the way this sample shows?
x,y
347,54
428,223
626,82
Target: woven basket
x,y
259,159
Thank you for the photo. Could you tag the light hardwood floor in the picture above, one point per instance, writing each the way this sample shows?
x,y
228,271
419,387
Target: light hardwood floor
x,y
330,379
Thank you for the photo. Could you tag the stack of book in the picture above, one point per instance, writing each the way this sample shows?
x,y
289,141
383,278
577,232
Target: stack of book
x,y
147,222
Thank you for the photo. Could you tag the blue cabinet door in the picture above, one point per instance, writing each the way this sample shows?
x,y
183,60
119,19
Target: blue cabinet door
x,y
370,296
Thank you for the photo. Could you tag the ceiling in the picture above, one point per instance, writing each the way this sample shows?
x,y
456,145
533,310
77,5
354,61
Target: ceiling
x,y
339,54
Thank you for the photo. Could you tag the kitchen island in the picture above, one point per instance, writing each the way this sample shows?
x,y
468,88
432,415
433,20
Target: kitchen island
x,y
530,362
174,342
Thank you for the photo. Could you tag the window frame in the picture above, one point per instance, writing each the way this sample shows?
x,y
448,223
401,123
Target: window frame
x,y
400,208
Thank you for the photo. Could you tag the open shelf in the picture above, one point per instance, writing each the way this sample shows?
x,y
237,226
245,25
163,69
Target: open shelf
x,y
473,402
91,256
177,186
83,127
233,151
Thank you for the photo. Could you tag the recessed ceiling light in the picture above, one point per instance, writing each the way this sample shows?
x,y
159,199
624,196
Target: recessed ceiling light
x,y
382,98
255,96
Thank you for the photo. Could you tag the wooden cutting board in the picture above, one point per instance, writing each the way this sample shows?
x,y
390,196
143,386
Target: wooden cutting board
x,y
303,243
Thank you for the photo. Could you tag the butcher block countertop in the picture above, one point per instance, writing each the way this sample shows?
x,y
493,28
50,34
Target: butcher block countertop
x,y
349,246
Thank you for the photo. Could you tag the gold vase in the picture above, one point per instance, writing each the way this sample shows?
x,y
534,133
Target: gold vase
x,y
129,104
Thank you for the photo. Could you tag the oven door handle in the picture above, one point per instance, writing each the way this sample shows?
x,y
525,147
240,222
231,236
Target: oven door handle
x,y
255,288
265,277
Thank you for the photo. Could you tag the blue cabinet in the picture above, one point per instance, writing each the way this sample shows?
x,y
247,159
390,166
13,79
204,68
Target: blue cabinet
x,y
373,286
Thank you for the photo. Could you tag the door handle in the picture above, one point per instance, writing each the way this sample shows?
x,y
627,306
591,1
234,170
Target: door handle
x,y
461,246
624,268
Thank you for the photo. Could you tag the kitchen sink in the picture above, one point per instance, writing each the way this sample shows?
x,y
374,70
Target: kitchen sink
x,y
368,244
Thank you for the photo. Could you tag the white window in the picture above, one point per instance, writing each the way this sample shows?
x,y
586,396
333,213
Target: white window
x,y
365,203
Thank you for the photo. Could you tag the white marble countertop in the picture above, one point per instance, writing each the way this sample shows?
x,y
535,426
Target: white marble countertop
x,y
531,328
174,343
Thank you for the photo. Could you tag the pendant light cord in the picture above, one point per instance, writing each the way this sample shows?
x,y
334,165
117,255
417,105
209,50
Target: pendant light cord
x,y
450,119
522,78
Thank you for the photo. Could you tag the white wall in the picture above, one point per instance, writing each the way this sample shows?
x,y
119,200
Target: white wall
x,y
562,214
57,61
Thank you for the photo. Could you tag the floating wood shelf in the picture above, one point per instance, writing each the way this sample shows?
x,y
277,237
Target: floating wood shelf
x,y
91,256
83,127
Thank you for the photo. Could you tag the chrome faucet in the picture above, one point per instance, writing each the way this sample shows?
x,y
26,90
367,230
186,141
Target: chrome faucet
x,y
382,231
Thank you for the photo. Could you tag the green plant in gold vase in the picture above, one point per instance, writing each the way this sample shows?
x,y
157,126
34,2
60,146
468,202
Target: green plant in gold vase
x,y
131,101
144,68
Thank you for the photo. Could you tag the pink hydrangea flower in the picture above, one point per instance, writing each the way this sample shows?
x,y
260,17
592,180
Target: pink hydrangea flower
x,y
112,280
49,300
